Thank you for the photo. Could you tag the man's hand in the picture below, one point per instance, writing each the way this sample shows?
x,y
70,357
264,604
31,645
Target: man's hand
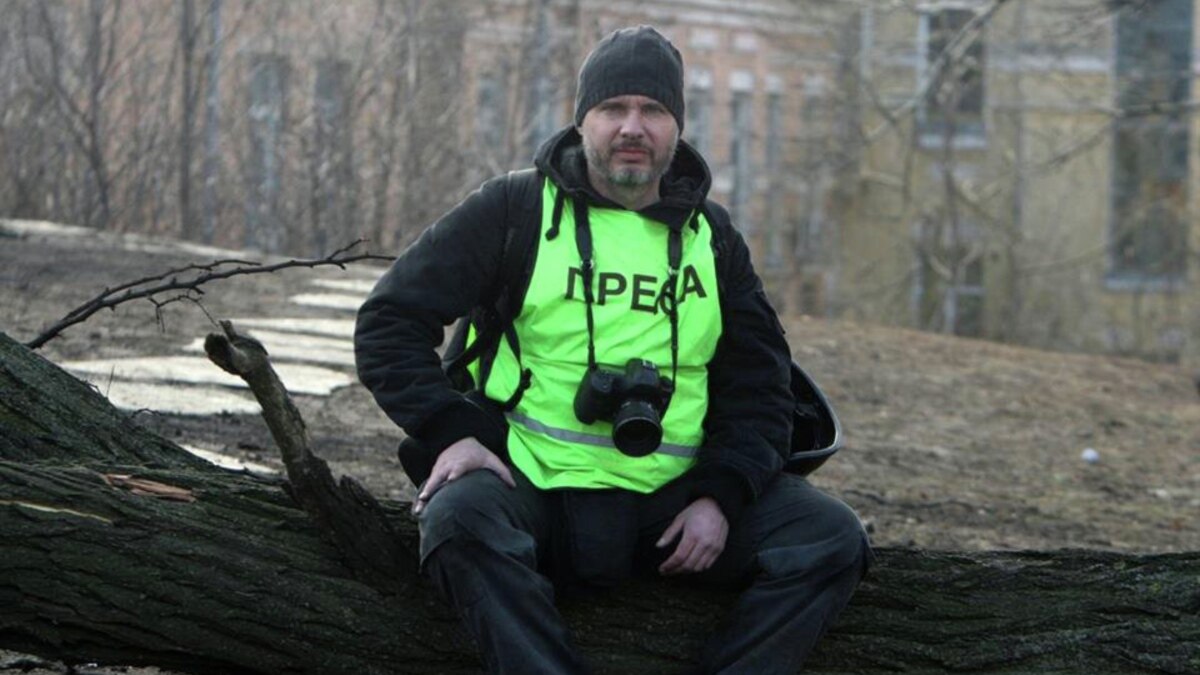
x,y
704,530
457,460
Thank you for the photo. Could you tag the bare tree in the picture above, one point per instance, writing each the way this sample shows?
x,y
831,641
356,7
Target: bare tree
x,y
189,94
212,123
76,79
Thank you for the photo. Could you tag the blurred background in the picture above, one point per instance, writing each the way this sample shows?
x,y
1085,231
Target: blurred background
x,y
1015,170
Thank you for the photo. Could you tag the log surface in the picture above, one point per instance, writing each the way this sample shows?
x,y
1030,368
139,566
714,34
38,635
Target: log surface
x,y
240,579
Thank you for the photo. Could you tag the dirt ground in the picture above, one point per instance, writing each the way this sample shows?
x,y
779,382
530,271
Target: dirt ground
x,y
951,443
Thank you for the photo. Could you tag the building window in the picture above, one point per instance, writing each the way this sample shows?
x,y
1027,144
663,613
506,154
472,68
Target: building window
x,y
543,122
739,157
774,164
490,118
544,105
950,292
705,38
697,126
329,92
774,150
952,110
814,157
267,116
1150,146
745,42
332,160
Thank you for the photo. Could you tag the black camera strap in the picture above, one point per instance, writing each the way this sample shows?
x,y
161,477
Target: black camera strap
x,y
583,242
667,295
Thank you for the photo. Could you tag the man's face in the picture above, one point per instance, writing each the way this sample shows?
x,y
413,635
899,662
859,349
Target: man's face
x,y
629,140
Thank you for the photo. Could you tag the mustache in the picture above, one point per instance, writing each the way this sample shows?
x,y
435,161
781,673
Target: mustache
x,y
632,145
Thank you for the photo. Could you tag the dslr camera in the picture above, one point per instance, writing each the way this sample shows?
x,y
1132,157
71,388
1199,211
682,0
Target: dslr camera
x,y
634,401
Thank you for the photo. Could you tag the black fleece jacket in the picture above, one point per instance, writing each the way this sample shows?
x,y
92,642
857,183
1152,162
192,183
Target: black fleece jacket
x,y
455,265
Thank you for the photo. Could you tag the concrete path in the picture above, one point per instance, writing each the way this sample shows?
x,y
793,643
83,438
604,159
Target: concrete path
x,y
314,356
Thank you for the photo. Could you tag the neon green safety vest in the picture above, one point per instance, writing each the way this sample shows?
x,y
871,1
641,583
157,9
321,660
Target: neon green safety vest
x,y
545,439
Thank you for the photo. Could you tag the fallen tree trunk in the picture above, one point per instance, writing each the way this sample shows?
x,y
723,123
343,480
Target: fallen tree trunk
x,y
200,569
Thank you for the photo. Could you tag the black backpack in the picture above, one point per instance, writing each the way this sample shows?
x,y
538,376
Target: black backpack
x,y
816,430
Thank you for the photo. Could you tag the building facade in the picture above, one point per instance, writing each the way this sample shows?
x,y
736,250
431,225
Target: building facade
x,y
1027,175
1019,170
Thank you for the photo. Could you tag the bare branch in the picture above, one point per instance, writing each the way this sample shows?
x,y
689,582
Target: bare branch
x,y
171,281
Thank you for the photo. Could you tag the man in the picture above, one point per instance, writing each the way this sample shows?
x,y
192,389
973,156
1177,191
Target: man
x,y
636,418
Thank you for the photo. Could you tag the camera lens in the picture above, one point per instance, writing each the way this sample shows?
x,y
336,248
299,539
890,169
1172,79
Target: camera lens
x,y
637,429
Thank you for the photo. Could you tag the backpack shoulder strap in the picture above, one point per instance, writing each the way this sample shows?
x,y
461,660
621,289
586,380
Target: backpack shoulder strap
x,y
523,222
721,225
493,318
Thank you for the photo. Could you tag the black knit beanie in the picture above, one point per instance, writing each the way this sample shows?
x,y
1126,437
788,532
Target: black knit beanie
x,y
632,61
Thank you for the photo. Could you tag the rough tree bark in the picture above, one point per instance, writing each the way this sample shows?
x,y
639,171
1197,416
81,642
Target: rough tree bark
x,y
197,568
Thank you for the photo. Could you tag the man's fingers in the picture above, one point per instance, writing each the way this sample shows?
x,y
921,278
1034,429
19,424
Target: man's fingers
x,y
673,560
692,555
694,561
456,461
423,497
672,532
432,485
502,471
702,560
677,560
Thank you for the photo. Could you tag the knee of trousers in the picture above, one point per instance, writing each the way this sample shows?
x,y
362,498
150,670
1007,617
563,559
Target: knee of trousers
x,y
831,543
460,520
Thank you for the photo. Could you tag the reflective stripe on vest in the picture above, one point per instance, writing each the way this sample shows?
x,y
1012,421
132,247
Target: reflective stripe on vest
x,y
545,440
593,439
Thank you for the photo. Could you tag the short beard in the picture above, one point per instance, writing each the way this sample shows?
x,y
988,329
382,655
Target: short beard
x,y
628,177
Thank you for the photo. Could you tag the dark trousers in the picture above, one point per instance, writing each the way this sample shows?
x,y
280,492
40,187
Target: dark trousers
x,y
489,549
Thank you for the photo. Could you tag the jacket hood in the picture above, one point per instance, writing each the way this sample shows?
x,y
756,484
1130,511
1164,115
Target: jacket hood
x,y
683,188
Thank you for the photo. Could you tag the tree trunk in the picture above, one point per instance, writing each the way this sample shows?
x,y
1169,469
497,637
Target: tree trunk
x,y
212,124
187,110
196,568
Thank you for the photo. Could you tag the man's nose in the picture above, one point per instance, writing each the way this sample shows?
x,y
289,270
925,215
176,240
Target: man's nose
x,y
633,124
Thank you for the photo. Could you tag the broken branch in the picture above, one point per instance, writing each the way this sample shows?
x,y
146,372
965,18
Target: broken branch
x,y
345,512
